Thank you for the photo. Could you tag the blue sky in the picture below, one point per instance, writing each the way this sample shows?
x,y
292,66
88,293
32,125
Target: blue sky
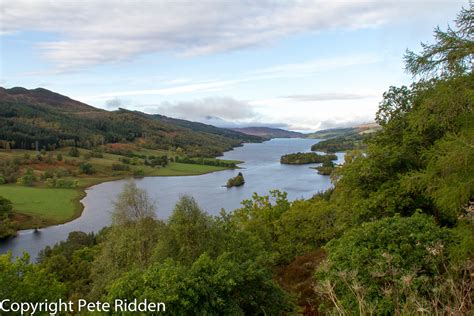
x,y
301,65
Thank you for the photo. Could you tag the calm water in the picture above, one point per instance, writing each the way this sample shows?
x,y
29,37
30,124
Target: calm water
x,y
262,171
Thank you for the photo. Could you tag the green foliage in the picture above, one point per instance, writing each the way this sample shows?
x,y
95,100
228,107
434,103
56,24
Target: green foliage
x,y
208,287
5,206
451,54
59,157
188,234
132,205
86,168
71,261
305,158
27,179
21,281
7,228
205,162
236,181
61,122
326,168
120,167
305,226
61,183
342,143
387,266
74,152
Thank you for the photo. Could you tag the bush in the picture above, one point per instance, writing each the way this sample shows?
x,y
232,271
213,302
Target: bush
x,y
390,266
86,168
27,179
120,167
61,183
5,206
74,152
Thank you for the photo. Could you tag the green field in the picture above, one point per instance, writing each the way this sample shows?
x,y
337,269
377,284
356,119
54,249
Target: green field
x,y
40,206
49,206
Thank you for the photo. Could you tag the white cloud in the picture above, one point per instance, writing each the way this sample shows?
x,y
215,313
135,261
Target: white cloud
x,y
222,108
284,71
92,32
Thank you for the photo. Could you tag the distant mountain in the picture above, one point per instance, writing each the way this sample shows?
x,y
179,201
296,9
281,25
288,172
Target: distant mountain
x,y
52,120
268,132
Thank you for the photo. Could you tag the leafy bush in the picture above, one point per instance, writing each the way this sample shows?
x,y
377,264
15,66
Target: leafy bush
x,y
390,266
74,152
61,183
86,168
27,179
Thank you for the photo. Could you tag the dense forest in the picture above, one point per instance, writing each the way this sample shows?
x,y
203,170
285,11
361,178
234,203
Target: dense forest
x,y
41,119
393,237
306,158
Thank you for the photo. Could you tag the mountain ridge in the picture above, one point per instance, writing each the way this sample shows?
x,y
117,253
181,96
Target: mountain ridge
x,y
30,117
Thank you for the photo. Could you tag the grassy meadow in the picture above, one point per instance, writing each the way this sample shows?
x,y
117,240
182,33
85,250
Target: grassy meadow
x,y
39,205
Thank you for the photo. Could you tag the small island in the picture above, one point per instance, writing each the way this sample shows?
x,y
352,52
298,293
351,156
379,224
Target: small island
x,y
236,181
326,168
306,158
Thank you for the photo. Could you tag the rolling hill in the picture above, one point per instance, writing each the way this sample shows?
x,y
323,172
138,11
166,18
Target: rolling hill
x,y
268,132
39,117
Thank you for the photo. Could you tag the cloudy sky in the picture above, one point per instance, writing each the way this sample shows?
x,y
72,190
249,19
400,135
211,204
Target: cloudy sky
x,y
302,65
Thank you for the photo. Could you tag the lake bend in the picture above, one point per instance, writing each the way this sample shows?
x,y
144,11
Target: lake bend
x,y
261,169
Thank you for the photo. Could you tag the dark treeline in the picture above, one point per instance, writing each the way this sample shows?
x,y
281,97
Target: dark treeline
x,y
393,237
306,158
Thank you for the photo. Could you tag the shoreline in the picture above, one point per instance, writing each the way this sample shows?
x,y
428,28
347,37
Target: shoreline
x,y
91,182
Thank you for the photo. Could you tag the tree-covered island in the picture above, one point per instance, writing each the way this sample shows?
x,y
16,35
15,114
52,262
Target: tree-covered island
x,y
236,181
306,158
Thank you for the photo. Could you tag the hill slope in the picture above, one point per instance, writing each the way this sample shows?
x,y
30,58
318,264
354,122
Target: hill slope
x,y
52,120
269,132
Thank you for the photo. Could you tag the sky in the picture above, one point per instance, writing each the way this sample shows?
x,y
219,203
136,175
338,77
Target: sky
x,y
298,65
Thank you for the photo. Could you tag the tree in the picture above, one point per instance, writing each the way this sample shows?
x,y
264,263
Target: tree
x,y
396,102
188,232
209,286
86,168
5,206
453,52
132,205
21,281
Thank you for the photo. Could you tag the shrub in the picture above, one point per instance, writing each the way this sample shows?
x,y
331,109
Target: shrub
x,y
74,152
86,168
391,266
27,179
120,167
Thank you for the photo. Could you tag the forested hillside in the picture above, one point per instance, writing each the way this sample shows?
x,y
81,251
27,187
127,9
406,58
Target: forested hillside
x,y
268,132
393,237
38,117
